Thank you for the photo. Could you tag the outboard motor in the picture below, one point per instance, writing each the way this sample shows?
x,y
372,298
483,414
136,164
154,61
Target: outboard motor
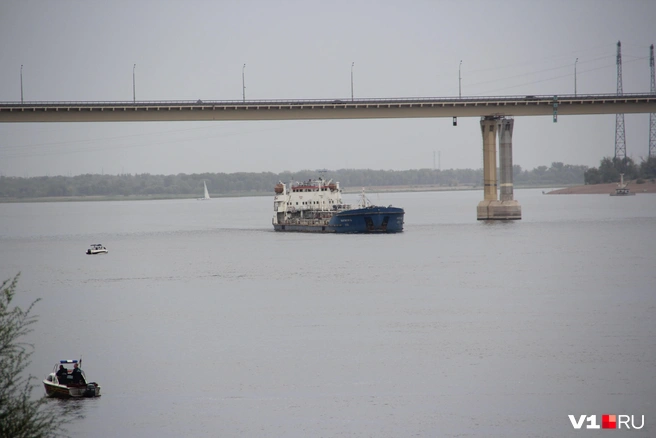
x,y
91,390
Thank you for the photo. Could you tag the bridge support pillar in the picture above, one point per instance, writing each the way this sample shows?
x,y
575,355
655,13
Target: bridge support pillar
x,y
491,208
509,208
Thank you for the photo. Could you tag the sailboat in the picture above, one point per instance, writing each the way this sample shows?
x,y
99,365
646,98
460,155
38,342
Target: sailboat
x,y
207,194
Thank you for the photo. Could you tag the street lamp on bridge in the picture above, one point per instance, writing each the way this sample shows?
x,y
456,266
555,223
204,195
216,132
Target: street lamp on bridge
x,y
352,64
459,80
134,94
577,60
243,84
21,83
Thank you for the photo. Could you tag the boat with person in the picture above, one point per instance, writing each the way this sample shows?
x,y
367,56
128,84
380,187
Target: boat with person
x,y
206,196
316,206
69,383
97,248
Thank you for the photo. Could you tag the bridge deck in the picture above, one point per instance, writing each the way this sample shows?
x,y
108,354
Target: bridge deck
x,y
12,112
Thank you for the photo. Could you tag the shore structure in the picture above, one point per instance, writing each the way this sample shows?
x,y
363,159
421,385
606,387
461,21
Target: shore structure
x,y
622,188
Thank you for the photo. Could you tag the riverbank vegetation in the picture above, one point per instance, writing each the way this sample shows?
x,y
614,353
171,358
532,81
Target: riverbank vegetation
x,y
21,415
147,186
609,171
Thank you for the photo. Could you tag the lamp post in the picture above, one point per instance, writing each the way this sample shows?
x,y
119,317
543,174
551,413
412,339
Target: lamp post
x,y
577,60
352,64
134,94
459,80
243,84
21,83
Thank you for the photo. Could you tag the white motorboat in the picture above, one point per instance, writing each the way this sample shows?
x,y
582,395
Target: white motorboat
x,y
65,383
96,248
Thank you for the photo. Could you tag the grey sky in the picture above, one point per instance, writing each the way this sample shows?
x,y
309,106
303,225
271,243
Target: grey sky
x,y
85,50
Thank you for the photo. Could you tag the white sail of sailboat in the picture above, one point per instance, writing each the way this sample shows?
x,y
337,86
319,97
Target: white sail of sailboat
x,y
207,194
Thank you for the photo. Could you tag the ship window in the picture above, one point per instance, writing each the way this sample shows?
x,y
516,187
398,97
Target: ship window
x,y
296,203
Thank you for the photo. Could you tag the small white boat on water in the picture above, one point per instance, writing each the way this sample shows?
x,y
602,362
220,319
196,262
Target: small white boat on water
x,y
97,248
207,194
68,383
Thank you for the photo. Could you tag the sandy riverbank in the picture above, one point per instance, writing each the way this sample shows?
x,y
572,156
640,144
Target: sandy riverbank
x,y
603,189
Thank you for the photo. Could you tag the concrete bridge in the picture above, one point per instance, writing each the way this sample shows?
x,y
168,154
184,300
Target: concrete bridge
x,y
496,113
161,111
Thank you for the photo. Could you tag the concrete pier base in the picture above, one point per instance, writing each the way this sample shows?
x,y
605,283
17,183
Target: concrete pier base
x,y
498,210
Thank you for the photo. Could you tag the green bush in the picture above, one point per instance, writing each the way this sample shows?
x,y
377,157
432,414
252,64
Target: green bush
x,y
22,416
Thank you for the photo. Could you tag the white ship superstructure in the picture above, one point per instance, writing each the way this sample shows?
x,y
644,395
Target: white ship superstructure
x,y
311,202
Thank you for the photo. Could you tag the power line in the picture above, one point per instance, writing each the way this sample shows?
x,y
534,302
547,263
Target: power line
x,y
555,77
19,154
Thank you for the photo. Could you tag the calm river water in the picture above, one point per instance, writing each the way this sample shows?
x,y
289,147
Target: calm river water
x,y
203,322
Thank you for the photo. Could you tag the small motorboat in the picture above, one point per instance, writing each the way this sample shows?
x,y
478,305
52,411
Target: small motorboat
x,y
65,383
96,248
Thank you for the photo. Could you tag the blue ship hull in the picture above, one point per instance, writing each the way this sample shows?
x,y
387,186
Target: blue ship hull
x,y
369,220
362,220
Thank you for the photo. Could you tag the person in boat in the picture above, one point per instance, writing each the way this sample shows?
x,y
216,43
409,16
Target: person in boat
x,y
62,374
77,375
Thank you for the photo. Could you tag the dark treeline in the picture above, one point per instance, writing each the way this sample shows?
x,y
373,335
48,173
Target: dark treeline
x,y
610,168
242,183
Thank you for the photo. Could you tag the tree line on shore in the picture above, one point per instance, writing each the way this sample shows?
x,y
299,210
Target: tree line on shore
x,y
609,170
245,183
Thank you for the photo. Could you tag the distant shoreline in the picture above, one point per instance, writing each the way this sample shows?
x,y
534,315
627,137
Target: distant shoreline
x,y
349,191
604,189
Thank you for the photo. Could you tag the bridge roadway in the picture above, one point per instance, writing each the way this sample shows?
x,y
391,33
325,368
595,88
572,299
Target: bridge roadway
x,y
145,111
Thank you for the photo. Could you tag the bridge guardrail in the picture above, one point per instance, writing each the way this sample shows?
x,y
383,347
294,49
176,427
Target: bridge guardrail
x,y
339,101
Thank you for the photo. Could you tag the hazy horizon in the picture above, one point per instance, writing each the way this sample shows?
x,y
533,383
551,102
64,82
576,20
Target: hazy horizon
x,y
283,171
170,50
